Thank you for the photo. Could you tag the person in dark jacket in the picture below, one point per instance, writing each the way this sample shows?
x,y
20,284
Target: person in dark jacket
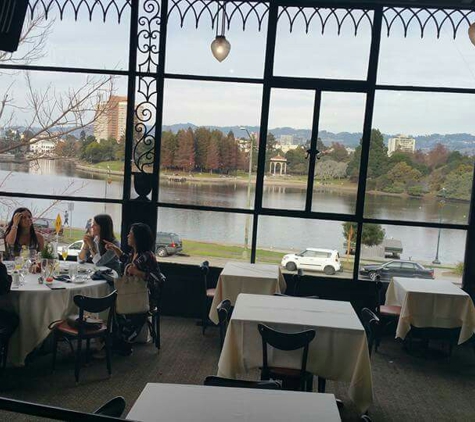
x,y
8,320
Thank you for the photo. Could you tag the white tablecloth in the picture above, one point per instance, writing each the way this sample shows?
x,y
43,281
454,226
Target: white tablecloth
x,y
37,306
339,351
198,403
242,277
431,303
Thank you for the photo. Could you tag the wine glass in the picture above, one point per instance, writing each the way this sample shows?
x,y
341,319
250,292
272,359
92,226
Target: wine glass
x,y
18,263
64,254
73,272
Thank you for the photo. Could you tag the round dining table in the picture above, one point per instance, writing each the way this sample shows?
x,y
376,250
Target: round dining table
x,y
37,305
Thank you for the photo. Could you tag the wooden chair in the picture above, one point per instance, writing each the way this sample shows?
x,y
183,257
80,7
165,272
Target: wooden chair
x,y
372,328
227,382
292,379
224,314
391,312
207,295
63,330
155,295
8,324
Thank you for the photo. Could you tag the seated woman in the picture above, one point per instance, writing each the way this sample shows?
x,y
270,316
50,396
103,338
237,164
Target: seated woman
x,y
141,263
21,232
94,246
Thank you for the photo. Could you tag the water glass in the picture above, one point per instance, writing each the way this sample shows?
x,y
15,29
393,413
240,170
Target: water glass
x,y
18,263
73,272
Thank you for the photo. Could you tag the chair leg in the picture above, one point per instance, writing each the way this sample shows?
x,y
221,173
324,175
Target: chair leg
x,y
108,354
309,384
78,360
157,331
322,382
55,351
4,355
204,317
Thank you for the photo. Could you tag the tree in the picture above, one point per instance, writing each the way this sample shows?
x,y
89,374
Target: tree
x,y
185,155
296,162
458,183
437,156
338,152
168,149
373,234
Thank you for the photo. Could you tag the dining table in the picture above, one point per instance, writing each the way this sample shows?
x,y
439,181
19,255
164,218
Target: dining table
x,y
339,351
429,303
244,277
199,403
37,305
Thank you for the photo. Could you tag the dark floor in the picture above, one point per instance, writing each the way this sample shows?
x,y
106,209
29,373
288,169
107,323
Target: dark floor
x,y
406,387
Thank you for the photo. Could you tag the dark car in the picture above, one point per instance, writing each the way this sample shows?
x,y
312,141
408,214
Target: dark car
x,y
168,244
396,269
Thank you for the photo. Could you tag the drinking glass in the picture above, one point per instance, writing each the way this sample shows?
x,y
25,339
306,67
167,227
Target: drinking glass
x,y
18,263
73,272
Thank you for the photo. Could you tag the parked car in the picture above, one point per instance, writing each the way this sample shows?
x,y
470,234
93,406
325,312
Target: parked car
x,y
46,226
73,249
313,259
396,269
167,244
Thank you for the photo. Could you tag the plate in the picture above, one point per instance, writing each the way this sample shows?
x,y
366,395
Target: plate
x,y
79,280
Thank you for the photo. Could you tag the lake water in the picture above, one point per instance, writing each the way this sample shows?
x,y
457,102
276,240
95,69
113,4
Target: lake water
x,y
61,178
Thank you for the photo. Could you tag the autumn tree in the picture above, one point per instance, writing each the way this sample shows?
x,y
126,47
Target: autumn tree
x,y
437,156
185,155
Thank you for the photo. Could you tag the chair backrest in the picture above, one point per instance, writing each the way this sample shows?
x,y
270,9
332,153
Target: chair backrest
x,y
227,382
155,288
204,268
224,311
296,278
285,341
96,305
371,325
114,407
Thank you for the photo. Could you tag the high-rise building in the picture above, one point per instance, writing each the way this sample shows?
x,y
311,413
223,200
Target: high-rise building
x,y
401,143
112,118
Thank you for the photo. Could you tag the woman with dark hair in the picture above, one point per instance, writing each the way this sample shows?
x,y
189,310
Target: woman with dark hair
x,y
21,232
142,263
94,245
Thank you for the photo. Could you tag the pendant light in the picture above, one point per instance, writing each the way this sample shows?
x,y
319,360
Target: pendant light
x,y
221,47
471,33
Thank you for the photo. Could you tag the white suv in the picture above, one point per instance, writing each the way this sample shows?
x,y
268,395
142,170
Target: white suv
x,y
313,259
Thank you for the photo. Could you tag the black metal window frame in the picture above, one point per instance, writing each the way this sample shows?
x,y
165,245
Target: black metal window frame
x,y
369,87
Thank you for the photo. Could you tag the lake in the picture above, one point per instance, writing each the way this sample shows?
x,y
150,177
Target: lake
x,y
62,178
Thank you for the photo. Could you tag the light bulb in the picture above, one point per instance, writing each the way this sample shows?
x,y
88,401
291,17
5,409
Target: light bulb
x,y
220,47
471,33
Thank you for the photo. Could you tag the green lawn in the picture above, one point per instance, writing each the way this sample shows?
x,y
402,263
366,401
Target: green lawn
x,y
113,165
193,248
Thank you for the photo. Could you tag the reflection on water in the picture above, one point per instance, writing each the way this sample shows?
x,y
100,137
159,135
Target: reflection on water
x,y
61,177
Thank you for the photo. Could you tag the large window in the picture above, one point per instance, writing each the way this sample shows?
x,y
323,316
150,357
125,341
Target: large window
x,y
259,156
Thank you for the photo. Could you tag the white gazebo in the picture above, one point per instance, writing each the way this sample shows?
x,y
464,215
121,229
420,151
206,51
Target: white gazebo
x,y
279,163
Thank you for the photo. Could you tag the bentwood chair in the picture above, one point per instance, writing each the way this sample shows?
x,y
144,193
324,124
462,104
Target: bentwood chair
x,y
372,328
292,379
297,278
206,294
224,314
227,382
64,331
155,296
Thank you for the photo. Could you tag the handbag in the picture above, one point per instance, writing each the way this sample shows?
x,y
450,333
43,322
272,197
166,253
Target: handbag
x,y
132,295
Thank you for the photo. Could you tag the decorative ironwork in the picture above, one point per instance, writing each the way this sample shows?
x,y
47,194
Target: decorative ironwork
x,y
148,36
327,17
241,10
47,7
144,123
426,18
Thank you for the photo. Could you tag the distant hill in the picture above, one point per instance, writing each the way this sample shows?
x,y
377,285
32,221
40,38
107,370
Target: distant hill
x,y
463,142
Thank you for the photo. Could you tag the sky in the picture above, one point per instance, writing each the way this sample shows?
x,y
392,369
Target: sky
x,y
406,61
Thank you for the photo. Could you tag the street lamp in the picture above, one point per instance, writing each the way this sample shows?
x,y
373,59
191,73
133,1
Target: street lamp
x,y
107,181
441,205
248,217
